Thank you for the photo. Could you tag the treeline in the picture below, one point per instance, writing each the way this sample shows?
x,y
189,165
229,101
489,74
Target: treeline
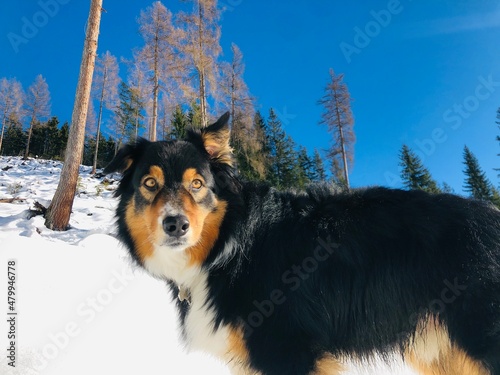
x,y
416,176
273,157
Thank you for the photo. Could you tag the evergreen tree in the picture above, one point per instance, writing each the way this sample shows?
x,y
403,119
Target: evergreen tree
x,y
414,175
304,168
252,152
476,182
14,137
317,168
178,124
126,114
498,136
282,169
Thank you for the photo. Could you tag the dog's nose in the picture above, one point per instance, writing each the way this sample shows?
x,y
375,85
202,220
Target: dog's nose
x,y
176,226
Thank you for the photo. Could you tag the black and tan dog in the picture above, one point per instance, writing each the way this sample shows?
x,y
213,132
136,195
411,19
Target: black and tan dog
x,y
281,283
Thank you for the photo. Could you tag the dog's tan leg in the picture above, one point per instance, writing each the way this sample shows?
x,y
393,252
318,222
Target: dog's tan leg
x,y
327,365
453,362
433,354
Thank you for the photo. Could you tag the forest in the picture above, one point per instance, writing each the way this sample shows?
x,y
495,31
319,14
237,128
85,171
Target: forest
x,y
177,80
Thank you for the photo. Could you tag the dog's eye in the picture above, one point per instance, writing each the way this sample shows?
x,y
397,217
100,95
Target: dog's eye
x,y
150,183
196,184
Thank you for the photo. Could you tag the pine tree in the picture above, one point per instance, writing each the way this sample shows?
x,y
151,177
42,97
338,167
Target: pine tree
x,y
126,114
476,182
15,137
282,168
318,169
414,175
337,116
498,136
178,124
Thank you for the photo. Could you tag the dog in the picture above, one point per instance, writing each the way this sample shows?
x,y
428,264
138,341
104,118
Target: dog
x,y
300,282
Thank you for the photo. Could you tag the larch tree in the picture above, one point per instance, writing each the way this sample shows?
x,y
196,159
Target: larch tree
x,y
59,211
37,106
201,46
11,102
140,85
160,54
337,116
105,91
413,173
476,182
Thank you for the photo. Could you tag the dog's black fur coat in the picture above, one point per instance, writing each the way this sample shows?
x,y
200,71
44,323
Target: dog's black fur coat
x,y
322,271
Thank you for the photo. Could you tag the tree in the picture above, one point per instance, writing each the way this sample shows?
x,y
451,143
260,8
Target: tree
x,y
318,169
11,101
236,96
476,182
282,171
160,53
498,136
178,123
59,211
413,173
128,114
201,47
37,106
15,138
105,90
337,116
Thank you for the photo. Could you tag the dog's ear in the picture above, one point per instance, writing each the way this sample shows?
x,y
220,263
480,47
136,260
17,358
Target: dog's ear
x,y
126,156
216,140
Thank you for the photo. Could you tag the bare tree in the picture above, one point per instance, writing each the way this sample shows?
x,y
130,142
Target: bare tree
x,y
202,47
160,53
11,101
105,90
58,213
337,116
37,106
235,94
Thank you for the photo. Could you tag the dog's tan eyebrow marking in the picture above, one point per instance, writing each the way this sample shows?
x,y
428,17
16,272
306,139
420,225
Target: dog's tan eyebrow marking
x,y
157,173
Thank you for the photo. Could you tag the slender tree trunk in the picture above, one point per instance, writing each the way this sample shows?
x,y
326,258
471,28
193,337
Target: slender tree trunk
x,y
203,93
98,132
3,130
59,211
30,132
342,147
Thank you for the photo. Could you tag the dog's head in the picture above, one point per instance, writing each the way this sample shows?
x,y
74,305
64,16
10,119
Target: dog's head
x,y
172,197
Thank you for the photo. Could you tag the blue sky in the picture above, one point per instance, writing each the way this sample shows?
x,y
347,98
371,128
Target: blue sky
x,y
425,73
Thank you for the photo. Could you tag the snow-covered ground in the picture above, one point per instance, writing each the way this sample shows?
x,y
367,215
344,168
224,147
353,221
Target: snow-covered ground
x,y
82,306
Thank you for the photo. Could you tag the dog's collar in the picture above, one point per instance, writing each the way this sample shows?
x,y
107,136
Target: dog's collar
x,y
184,295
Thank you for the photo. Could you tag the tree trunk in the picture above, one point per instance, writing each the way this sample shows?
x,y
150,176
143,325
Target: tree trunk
x,y
59,211
98,132
30,132
3,130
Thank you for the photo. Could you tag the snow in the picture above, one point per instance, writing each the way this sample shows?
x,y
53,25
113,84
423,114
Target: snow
x,y
82,306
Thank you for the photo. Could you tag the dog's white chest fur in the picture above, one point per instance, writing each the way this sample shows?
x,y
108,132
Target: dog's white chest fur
x,y
199,323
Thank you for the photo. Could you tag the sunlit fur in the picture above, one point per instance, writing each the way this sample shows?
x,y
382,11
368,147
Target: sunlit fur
x,y
299,283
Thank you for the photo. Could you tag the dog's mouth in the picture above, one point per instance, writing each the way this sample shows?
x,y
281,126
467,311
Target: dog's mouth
x,y
176,244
